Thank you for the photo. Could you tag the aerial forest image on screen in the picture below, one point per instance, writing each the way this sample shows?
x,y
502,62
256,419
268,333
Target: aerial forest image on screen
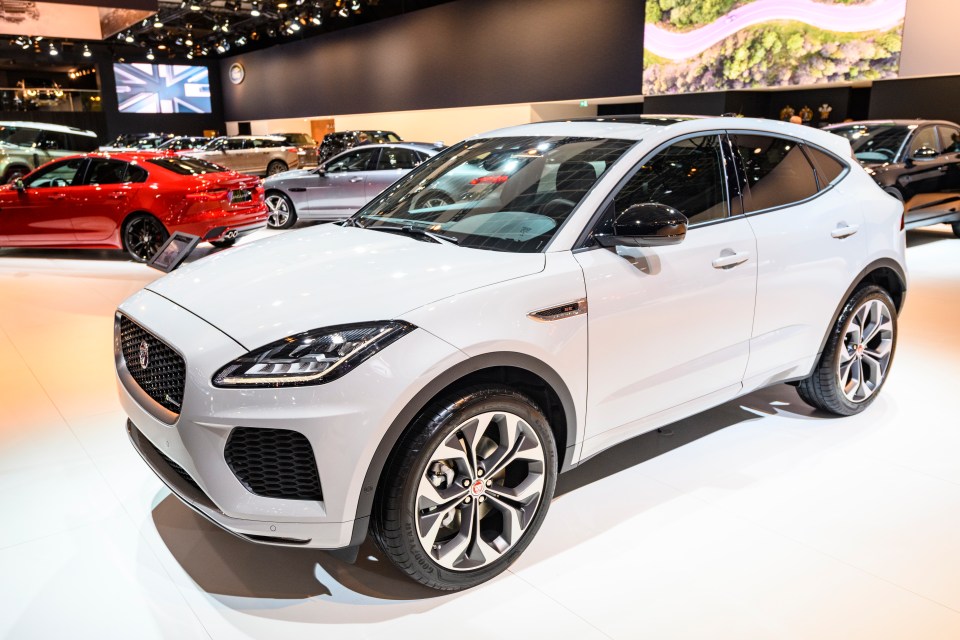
x,y
709,45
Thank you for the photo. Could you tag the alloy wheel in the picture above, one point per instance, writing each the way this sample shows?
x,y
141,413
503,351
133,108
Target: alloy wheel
x,y
480,491
867,349
143,237
279,211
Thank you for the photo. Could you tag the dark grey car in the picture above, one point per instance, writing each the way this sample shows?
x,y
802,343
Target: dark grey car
x,y
341,185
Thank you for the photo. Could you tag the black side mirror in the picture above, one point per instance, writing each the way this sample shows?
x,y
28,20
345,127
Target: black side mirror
x,y
925,153
18,185
646,225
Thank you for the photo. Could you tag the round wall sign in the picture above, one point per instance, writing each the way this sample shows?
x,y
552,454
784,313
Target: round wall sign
x,y
237,73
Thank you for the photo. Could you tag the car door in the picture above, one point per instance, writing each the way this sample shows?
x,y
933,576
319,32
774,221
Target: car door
x,y
393,163
808,232
103,198
255,156
670,325
340,190
41,214
950,161
920,182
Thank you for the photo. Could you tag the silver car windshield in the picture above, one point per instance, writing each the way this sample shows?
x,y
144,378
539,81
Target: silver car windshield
x,y
500,194
874,143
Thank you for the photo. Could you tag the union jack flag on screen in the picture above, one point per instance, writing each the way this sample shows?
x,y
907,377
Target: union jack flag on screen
x,y
162,88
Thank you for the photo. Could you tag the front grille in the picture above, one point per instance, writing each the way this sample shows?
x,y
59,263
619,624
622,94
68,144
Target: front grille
x,y
163,376
240,195
274,463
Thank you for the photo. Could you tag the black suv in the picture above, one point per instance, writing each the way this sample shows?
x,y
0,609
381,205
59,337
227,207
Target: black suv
x,y
334,143
916,161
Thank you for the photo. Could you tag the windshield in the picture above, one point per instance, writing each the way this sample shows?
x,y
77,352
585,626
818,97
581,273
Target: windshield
x,y
501,194
874,142
187,166
18,136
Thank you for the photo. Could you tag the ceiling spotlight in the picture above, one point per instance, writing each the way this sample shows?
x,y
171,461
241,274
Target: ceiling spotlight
x,y
295,26
316,19
161,47
355,6
53,50
158,23
150,55
194,7
240,41
189,55
223,46
86,51
344,12
255,10
282,5
129,37
189,40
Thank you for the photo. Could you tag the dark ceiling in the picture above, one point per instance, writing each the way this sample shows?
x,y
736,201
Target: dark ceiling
x,y
205,29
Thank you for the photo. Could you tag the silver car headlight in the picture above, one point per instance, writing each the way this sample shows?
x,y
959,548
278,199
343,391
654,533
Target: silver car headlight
x,y
312,357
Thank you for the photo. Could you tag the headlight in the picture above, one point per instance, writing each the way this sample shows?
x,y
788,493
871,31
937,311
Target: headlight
x,y
313,357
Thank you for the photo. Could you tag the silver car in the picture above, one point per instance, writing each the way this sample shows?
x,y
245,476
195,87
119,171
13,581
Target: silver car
x,y
258,155
341,185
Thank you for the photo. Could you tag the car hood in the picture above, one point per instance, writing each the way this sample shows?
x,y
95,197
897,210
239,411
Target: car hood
x,y
329,275
287,175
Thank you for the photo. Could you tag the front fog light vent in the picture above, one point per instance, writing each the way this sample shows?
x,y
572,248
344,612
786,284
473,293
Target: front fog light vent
x,y
274,463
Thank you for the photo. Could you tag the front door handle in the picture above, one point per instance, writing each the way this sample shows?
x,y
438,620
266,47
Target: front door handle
x,y
57,196
116,196
730,260
356,179
844,231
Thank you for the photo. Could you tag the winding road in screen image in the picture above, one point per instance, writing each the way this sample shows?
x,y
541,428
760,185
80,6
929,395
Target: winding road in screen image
x,y
879,15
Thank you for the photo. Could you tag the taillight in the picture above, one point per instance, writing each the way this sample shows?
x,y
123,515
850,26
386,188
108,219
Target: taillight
x,y
207,196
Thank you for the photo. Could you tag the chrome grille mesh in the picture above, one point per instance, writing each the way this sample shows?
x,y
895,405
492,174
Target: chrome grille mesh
x,y
164,375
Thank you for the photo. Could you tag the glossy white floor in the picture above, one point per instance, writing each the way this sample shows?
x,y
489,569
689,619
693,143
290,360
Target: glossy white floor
x,y
769,521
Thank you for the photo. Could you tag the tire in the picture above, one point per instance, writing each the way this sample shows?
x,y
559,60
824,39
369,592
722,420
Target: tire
x,y
433,198
13,173
142,236
283,214
956,228
851,370
276,166
474,535
893,191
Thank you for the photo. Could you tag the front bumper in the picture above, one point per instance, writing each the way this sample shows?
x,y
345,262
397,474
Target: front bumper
x,y
344,421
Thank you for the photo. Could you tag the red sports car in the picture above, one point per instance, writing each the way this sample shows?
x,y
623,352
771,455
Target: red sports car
x,y
131,201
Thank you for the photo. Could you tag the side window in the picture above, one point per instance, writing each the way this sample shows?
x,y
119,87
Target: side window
x,y
924,143
136,174
359,160
54,140
393,158
58,174
103,171
828,167
776,172
687,176
949,139
234,145
218,145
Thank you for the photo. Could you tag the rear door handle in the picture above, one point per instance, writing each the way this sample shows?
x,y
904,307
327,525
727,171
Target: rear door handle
x,y
844,231
57,196
730,260
116,196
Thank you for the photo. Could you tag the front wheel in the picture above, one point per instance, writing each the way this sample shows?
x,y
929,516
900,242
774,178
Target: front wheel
x,y
857,358
142,236
282,214
467,488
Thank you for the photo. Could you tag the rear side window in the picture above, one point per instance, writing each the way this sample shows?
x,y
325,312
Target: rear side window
x,y
82,143
187,166
949,139
776,172
103,171
828,168
393,158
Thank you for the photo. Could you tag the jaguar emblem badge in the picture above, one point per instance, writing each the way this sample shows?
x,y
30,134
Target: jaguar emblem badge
x,y
144,354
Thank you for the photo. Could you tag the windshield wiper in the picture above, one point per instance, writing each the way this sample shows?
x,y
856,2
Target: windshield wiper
x,y
415,231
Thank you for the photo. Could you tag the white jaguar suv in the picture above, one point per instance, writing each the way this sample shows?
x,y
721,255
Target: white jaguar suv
x,y
520,302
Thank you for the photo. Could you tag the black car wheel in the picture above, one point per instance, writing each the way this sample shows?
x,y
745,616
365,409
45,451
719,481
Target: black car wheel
x,y
142,236
466,488
855,363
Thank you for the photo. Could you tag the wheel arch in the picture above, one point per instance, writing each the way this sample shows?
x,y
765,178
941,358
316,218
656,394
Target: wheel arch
x,y
122,227
885,273
525,373
8,171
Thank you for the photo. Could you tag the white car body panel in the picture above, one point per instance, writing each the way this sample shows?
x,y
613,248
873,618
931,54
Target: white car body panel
x,y
665,335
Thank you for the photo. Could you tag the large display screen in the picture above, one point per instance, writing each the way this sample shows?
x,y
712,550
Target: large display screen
x,y
711,45
162,88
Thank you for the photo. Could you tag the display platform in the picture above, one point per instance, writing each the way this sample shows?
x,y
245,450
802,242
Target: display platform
x,y
758,519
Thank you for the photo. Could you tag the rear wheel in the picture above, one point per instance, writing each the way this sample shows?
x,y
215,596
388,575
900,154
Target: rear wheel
x,y
432,199
467,488
142,236
276,166
282,214
857,358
